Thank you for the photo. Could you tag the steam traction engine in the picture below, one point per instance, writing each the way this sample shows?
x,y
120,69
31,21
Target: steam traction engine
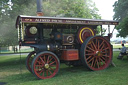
x,y
71,40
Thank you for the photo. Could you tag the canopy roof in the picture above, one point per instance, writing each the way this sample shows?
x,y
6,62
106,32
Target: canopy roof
x,y
63,20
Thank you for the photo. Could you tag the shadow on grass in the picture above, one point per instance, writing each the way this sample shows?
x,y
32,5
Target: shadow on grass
x,y
65,71
2,83
12,62
20,78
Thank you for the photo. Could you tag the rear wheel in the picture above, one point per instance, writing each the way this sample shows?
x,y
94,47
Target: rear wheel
x,y
45,65
96,53
29,60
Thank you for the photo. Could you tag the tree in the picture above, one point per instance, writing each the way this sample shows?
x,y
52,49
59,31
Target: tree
x,y
121,14
71,8
60,8
66,8
123,27
8,33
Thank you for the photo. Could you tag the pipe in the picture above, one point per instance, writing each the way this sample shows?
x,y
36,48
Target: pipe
x,y
39,8
46,47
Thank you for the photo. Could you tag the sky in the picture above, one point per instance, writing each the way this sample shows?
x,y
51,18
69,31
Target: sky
x,y
106,11
105,8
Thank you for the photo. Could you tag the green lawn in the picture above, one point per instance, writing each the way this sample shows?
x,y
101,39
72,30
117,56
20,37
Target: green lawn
x,y
10,73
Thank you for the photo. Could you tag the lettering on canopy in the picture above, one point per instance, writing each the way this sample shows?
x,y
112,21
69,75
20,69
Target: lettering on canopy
x,y
67,21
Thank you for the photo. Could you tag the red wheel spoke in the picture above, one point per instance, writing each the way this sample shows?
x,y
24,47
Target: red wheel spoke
x,y
90,60
40,72
51,68
92,63
101,44
97,62
47,72
106,56
90,48
44,57
43,74
103,58
39,62
106,48
48,59
94,45
42,60
52,63
102,47
98,45
50,72
89,57
102,61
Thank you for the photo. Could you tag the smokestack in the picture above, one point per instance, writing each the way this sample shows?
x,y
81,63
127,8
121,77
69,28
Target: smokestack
x,y
39,8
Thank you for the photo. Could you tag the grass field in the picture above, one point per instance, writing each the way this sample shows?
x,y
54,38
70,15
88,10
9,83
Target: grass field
x,y
11,74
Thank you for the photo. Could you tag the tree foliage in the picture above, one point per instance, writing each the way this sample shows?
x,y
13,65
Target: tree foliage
x,y
71,8
123,28
8,32
121,14
59,8
66,8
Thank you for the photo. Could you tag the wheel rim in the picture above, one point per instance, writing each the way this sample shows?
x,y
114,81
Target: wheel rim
x,y
45,65
84,33
29,60
97,53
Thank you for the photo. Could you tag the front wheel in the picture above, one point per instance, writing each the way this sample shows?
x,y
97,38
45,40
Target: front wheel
x,y
45,65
